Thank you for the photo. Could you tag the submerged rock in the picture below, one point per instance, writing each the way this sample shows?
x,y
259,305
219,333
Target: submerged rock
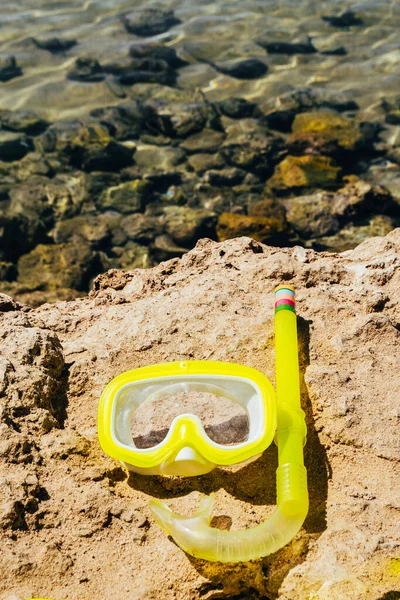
x,y
86,70
346,19
126,121
147,22
59,266
238,108
324,132
207,140
376,226
157,51
225,177
141,228
88,147
55,45
304,100
186,225
129,71
184,119
14,146
22,121
93,230
276,47
255,153
203,162
132,256
251,68
325,213
296,172
9,69
231,225
8,271
127,197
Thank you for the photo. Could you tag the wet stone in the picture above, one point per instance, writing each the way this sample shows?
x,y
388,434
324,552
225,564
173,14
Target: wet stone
x,y
127,197
126,121
54,45
356,233
186,119
33,164
345,19
164,248
255,153
204,162
9,69
267,207
13,146
393,117
146,70
141,228
296,172
251,68
58,266
206,141
22,121
132,256
86,70
157,51
226,177
156,158
186,225
312,215
276,47
8,271
324,127
149,21
262,229
305,100
92,229
238,108
111,157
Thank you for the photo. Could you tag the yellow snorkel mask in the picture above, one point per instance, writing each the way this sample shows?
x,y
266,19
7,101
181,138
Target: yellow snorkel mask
x,y
190,447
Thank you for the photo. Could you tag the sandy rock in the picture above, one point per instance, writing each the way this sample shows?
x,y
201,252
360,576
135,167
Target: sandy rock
x,y
76,526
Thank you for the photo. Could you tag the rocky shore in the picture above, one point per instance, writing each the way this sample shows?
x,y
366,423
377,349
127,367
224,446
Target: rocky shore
x,y
139,183
74,526
167,162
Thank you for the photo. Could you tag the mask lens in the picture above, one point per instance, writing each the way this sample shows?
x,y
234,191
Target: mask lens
x,y
224,420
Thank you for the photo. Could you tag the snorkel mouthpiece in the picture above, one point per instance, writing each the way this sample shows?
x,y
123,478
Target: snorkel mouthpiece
x,y
194,534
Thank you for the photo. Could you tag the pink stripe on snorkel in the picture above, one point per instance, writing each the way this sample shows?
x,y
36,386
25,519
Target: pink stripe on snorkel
x,y
290,302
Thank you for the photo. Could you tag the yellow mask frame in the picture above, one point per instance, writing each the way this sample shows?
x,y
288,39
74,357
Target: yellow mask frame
x,y
187,450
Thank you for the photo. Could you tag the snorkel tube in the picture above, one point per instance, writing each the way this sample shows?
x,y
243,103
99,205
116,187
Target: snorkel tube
x,y
194,534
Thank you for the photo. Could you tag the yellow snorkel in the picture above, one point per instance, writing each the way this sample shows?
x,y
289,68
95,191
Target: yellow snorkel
x,y
194,534
187,449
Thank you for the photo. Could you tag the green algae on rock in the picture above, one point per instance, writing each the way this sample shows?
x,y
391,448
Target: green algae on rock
x,y
328,126
297,172
126,197
58,266
231,225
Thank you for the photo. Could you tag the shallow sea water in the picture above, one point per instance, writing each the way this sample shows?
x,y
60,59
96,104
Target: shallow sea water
x,y
196,167
209,31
